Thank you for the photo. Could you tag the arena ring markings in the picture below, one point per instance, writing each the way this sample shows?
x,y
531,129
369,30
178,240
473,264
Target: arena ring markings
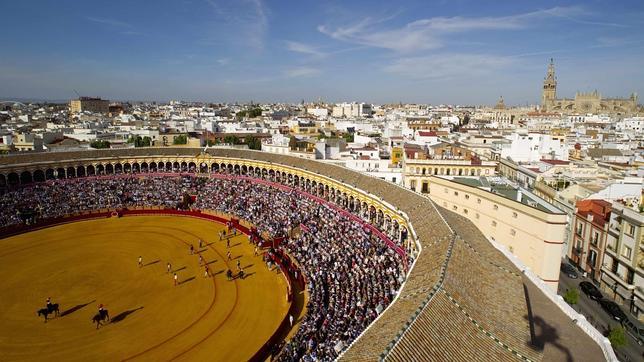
x,y
84,263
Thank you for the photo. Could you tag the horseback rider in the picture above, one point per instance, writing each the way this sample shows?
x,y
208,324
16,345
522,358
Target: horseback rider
x,y
101,311
50,306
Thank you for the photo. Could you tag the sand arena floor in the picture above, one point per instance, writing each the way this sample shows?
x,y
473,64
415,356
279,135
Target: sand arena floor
x,y
86,263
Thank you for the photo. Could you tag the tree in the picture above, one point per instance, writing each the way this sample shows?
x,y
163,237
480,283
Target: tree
x,y
99,144
251,113
180,140
617,337
348,137
292,143
254,143
572,296
466,120
232,140
211,143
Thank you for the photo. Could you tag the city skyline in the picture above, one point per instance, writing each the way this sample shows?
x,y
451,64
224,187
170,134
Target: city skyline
x,y
454,52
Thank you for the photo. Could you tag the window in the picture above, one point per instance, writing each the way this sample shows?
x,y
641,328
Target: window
x,y
465,211
478,201
595,239
630,230
515,215
477,215
626,252
455,193
513,232
630,276
496,207
614,265
592,258
579,230
467,197
493,223
454,208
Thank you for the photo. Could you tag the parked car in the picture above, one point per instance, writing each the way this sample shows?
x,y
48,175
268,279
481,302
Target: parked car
x,y
636,333
590,290
569,270
613,310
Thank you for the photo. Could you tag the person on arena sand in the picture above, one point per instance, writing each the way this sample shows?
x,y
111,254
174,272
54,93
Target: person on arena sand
x,y
192,249
229,274
200,259
48,303
176,279
206,272
229,255
169,268
200,244
140,261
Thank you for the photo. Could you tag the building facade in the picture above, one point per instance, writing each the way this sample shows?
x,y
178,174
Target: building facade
x,y
89,104
622,270
590,236
535,236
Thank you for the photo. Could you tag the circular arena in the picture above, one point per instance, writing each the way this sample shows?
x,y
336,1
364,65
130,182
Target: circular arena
x,y
274,257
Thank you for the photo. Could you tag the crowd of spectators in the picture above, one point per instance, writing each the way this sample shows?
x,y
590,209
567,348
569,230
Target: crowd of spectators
x,y
351,274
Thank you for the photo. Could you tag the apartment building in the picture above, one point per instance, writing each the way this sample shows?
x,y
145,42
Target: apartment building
x,y
622,270
590,236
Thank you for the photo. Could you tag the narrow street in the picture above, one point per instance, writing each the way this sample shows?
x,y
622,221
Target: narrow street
x,y
600,319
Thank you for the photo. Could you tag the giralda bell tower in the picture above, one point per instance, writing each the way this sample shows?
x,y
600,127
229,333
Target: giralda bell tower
x,y
549,93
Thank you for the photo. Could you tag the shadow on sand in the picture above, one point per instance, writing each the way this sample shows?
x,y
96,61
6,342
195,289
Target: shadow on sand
x,y
75,308
121,316
186,280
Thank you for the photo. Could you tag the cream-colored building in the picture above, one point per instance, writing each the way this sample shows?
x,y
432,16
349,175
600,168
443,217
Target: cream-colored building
x,y
441,160
89,104
533,234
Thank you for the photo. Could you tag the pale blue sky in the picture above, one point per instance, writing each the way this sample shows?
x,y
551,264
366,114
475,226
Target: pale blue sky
x,y
457,51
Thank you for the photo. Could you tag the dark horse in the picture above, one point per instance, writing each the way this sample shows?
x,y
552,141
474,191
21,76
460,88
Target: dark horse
x,y
52,308
100,317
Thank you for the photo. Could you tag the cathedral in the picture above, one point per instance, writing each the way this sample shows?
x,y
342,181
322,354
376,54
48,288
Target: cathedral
x,y
591,102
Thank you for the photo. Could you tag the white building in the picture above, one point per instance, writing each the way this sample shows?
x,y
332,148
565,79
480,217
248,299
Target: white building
x,y
351,110
277,144
318,112
532,147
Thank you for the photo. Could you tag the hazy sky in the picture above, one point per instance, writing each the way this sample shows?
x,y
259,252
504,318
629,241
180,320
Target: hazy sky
x,y
452,51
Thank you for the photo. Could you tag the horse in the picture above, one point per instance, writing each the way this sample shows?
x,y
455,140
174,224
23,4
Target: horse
x,y
100,316
51,308
44,312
